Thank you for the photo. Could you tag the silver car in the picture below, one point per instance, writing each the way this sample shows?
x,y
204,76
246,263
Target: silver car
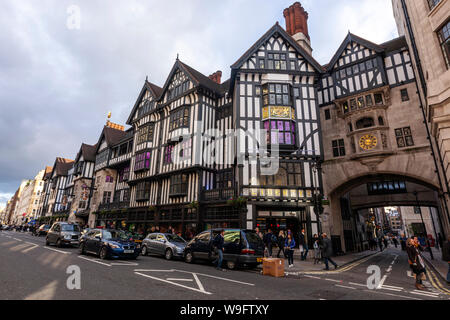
x,y
165,244
63,233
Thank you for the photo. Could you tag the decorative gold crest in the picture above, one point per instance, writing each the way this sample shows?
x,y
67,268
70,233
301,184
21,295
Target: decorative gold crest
x,y
368,142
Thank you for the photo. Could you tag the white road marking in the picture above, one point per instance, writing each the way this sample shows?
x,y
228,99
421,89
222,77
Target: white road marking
x,y
425,294
176,279
382,281
220,278
338,285
338,281
393,287
99,262
152,270
56,250
124,263
393,295
199,284
17,239
389,269
358,284
173,283
312,277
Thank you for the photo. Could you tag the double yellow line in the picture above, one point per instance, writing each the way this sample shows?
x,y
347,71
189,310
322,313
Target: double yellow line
x,y
436,283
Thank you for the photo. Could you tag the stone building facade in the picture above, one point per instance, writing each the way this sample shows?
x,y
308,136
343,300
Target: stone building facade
x,y
426,27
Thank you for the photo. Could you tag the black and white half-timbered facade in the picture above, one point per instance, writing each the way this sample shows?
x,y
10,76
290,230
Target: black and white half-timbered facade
x,y
57,202
250,152
79,186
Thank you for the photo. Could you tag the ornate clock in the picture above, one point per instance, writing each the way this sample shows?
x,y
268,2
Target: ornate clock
x,y
368,142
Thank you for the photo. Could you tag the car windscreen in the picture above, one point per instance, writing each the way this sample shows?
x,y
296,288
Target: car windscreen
x,y
70,227
114,234
252,237
174,238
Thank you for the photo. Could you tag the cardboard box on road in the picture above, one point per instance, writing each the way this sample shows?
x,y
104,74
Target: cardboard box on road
x,y
273,267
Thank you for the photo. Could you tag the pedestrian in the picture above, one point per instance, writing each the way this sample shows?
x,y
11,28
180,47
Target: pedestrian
x,y
403,242
303,245
446,255
259,233
380,244
281,241
290,245
327,252
440,240
316,246
395,241
268,241
218,249
385,240
415,262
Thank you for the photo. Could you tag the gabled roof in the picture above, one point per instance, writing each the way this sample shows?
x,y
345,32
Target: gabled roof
x,y
198,78
112,136
353,38
129,134
62,166
87,151
154,90
48,172
275,29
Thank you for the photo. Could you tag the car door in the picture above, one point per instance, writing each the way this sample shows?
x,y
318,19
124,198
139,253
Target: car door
x,y
54,232
203,246
160,244
97,241
150,242
88,242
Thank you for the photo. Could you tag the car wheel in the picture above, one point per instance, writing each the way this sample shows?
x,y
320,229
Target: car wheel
x,y
144,251
46,242
82,251
104,253
231,265
58,243
169,254
189,257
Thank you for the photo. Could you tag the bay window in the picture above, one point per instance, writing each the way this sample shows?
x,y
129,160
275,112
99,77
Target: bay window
x,y
278,114
142,161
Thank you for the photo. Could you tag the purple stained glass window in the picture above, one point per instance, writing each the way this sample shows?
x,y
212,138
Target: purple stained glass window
x,y
281,138
281,132
168,154
288,139
142,161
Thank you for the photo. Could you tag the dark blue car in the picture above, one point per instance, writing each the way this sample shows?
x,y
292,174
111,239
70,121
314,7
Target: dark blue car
x,y
108,244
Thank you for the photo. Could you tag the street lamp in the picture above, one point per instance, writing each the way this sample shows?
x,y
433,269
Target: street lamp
x,y
318,208
415,193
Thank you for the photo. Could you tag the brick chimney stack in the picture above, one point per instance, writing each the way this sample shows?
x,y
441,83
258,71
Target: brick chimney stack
x,y
297,25
216,77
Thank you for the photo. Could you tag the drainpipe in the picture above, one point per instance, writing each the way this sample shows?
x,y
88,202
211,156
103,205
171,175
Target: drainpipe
x,y
425,121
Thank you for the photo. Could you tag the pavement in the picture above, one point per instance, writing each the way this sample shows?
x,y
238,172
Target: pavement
x,y
29,270
438,265
309,265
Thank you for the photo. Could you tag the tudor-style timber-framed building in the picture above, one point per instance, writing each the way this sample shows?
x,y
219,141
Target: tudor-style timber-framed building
x,y
178,177
198,150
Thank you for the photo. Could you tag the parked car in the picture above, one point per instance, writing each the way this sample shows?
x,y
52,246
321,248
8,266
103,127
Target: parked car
x,y
241,247
63,233
109,243
42,230
165,244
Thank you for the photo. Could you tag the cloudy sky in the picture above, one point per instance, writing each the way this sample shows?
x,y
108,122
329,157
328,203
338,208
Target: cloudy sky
x,y
57,82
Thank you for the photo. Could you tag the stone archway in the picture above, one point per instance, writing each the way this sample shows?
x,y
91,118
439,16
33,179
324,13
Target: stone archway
x,y
356,192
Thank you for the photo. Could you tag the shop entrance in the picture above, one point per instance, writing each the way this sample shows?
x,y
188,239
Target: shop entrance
x,y
294,221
